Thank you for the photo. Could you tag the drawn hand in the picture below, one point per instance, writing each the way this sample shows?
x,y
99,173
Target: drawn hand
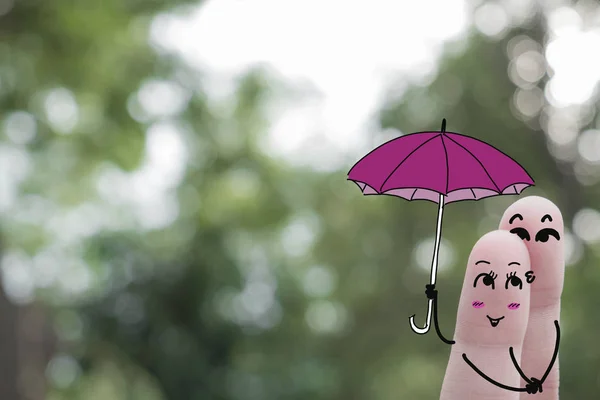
x,y
534,386
432,294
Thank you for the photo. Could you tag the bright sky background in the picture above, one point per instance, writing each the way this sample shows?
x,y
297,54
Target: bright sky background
x,y
346,51
349,52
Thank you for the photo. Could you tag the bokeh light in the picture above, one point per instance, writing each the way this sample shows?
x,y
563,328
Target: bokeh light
x,y
424,250
586,225
491,19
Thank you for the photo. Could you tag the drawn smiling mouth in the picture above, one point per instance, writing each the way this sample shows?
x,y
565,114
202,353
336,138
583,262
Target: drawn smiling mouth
x,y
494,321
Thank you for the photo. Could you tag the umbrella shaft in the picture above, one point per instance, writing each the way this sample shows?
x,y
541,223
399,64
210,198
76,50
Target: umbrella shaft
x,y
438,237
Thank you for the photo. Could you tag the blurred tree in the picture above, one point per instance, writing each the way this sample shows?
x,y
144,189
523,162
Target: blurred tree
x,y
270,282
67,73
8,338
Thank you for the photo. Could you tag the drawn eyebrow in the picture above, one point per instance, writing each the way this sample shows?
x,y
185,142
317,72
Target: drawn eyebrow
x,y
547,217
482,262
510,221
514,262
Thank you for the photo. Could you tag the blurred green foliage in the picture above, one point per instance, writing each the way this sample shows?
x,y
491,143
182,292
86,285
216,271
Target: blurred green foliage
x,y
296,287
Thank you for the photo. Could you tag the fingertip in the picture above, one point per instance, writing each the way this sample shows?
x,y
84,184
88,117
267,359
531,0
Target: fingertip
x,y
532,205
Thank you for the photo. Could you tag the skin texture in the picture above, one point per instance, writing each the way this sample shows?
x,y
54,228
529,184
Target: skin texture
x,y
548,264
487,346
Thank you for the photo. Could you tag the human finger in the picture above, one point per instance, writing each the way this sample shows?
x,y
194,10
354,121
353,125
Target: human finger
x,y
492,316
540,225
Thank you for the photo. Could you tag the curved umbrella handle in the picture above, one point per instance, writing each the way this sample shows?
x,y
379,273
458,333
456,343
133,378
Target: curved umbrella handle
x,y
434,265
425,329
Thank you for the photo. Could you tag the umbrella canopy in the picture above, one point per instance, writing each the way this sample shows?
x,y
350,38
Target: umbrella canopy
x,y
442,167
423,165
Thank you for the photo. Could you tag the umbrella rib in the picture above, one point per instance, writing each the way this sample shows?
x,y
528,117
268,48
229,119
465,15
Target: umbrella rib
x,y
413,195
487,144
478,161
406,158
387,143
447,164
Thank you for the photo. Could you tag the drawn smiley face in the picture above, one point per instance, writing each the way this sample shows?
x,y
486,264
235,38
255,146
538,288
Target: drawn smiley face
x,y
512,282
539,224
495,293
542,235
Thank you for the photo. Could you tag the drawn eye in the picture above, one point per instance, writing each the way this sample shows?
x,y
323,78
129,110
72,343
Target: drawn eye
x,y
488,279
529,276
522,233
514,280
544,235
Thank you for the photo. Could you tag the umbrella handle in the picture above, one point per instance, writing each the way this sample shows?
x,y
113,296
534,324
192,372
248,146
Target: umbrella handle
x,y
425,329
434,264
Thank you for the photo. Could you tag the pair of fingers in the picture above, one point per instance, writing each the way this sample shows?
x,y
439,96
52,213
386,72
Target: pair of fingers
x,y
507,331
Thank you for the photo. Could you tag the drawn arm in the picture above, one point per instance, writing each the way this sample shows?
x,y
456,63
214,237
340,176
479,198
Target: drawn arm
x,y
556,344
534,385
432,295
490,380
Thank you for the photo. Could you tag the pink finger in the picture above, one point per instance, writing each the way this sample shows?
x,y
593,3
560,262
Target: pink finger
x,y
488,320
540,223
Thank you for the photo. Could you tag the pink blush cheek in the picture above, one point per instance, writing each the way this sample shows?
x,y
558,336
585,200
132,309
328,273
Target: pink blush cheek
x,y
514,306
478,304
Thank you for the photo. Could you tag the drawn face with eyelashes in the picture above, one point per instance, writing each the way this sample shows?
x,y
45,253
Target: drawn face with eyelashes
x,y
539,224
495,291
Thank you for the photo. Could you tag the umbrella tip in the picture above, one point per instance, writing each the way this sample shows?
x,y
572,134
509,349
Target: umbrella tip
x,y
443,125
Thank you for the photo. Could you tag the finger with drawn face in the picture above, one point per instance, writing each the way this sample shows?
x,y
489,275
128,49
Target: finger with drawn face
x,y
493,312
539,224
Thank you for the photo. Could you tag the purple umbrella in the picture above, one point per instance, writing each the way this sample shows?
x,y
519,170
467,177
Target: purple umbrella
x,y
442,167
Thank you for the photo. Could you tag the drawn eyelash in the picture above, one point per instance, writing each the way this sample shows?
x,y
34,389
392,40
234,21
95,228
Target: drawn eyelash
x,y
514,280
488,279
